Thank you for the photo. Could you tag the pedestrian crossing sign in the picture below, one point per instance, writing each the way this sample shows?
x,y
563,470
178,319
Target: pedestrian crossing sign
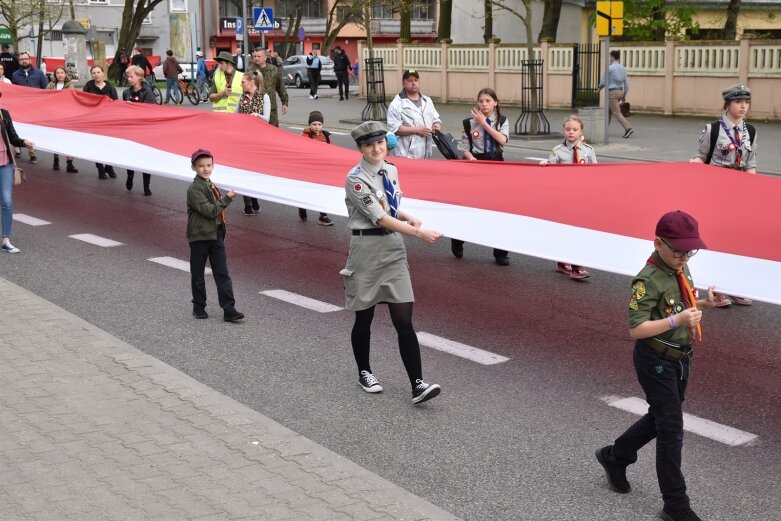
x,y
264,18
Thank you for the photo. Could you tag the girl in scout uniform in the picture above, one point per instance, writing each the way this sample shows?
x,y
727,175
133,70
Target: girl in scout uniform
x,y
574,150
730,142
485,134
377,270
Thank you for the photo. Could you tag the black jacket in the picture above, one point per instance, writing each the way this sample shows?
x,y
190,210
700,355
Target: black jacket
x,y
9,135
341,62
145,95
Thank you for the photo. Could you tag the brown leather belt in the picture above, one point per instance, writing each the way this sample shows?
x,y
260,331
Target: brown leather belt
x,y
667,350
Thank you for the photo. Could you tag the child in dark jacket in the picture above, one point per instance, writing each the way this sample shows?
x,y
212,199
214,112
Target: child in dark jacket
x,y
315,131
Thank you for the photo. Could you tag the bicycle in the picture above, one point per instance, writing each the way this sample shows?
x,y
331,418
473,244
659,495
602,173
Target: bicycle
x,y
186,88
150,81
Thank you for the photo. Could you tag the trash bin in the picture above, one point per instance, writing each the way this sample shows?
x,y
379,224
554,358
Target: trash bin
x,y
593,123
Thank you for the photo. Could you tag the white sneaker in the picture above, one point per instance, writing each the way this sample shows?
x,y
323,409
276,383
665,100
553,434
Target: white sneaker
x,y
8,247
311,97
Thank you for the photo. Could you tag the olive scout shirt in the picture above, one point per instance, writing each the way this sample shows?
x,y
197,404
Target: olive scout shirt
x,y
655,295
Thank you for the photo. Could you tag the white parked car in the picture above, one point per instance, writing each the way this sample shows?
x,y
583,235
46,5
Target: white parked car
x,y
188,69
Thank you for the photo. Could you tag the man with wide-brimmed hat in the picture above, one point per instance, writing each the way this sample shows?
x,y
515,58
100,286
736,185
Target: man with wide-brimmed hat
x,y
226,89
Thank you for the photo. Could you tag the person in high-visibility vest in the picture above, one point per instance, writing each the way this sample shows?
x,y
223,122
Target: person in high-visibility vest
x,y
226,89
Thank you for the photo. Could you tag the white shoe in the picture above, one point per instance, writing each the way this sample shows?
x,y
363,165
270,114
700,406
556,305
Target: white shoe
x,y
311,97
8,247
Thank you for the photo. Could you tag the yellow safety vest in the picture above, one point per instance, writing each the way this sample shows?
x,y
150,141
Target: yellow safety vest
x,y
230,103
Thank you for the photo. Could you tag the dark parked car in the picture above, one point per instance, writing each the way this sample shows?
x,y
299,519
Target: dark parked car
x,y
294,71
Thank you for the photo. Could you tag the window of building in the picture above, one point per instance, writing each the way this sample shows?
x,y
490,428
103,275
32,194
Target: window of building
x,y
178,5
382,9
98,2
312,9
422,10
54,35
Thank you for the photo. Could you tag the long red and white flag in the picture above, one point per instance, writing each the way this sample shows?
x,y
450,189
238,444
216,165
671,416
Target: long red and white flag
x,y
600,216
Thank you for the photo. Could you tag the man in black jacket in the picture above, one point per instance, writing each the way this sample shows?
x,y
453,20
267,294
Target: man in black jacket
x,y
341,66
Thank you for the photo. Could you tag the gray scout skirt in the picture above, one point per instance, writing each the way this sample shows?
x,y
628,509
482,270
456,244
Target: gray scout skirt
x,y
376,271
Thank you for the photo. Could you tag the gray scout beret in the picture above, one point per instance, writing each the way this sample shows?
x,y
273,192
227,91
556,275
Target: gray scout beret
x,y
737,91
369,132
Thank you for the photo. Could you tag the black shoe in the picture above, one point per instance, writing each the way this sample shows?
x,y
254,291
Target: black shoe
x,y
248,211
102,175
616,474
324,220
302,214
255,205
503,261
70,168
369,382
686,514
233,316
628,133
423,392
147,191
129,182
457,249
33,160
199,312
56,164
110,172
341,98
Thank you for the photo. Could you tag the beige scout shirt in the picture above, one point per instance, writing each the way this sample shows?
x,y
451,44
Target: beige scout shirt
x,y
725,155
365,194
565,152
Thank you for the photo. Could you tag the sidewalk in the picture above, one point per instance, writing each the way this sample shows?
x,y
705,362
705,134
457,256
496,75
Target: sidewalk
x,y
657,138
93,429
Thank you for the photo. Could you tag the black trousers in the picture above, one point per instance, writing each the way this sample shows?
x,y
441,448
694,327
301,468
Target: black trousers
x,y
342,78
314,80
214,252
664,382
497,252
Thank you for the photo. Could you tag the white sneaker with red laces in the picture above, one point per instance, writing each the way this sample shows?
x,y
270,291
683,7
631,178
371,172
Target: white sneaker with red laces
x,y
579,273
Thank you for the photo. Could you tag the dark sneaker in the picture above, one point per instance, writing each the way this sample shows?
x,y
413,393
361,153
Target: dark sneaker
x,y
369,382
325,221
33,160
110,172
248,211
616,474
685,514
457,250
302,214
233,316
423,392
503,261
199,312
255,205
628,133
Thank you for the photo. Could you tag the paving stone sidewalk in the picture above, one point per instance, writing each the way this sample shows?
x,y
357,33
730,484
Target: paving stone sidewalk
x,y
93,429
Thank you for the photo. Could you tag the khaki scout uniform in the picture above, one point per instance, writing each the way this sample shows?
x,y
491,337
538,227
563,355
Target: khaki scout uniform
x,y
725,152
656,295
565,152
376,269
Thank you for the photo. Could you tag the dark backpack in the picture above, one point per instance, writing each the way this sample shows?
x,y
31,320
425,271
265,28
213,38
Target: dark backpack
x,y
714,136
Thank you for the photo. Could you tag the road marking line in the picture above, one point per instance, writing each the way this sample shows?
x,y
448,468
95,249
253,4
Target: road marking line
x,y
709,429
300,300
95,239
175,263
464,351
27,219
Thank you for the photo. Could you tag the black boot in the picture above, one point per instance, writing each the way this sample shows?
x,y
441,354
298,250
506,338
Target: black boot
x,y
102,172
110,172
56,165
147,178
129,182
70,168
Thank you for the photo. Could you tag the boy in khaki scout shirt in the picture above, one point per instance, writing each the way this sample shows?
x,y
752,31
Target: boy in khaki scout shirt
x,y
664,320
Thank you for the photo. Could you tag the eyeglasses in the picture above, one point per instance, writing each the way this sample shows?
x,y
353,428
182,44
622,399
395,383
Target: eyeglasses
x,y
678,253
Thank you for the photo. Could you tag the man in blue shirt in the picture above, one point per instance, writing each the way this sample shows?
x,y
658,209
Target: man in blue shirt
x,y
313,66
618,88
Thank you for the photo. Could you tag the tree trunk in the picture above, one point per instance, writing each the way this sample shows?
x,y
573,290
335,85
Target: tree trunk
x,y
488,33
550,20
731,25
132,17
445,19
39,46
405,29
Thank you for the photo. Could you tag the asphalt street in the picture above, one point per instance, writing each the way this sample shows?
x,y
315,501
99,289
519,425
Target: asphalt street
x,y
509,441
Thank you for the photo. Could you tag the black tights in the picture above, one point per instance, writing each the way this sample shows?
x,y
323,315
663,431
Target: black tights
x,y
401,315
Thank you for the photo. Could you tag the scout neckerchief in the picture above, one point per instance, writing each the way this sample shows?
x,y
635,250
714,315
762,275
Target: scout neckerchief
x,y
390,191
735,135
218,195
687,295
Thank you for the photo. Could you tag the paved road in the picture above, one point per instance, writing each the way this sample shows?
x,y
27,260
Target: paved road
x,y
504,442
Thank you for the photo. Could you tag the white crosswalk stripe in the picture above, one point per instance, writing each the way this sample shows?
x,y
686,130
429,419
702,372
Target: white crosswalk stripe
x,y
96,240
175,263
29,220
